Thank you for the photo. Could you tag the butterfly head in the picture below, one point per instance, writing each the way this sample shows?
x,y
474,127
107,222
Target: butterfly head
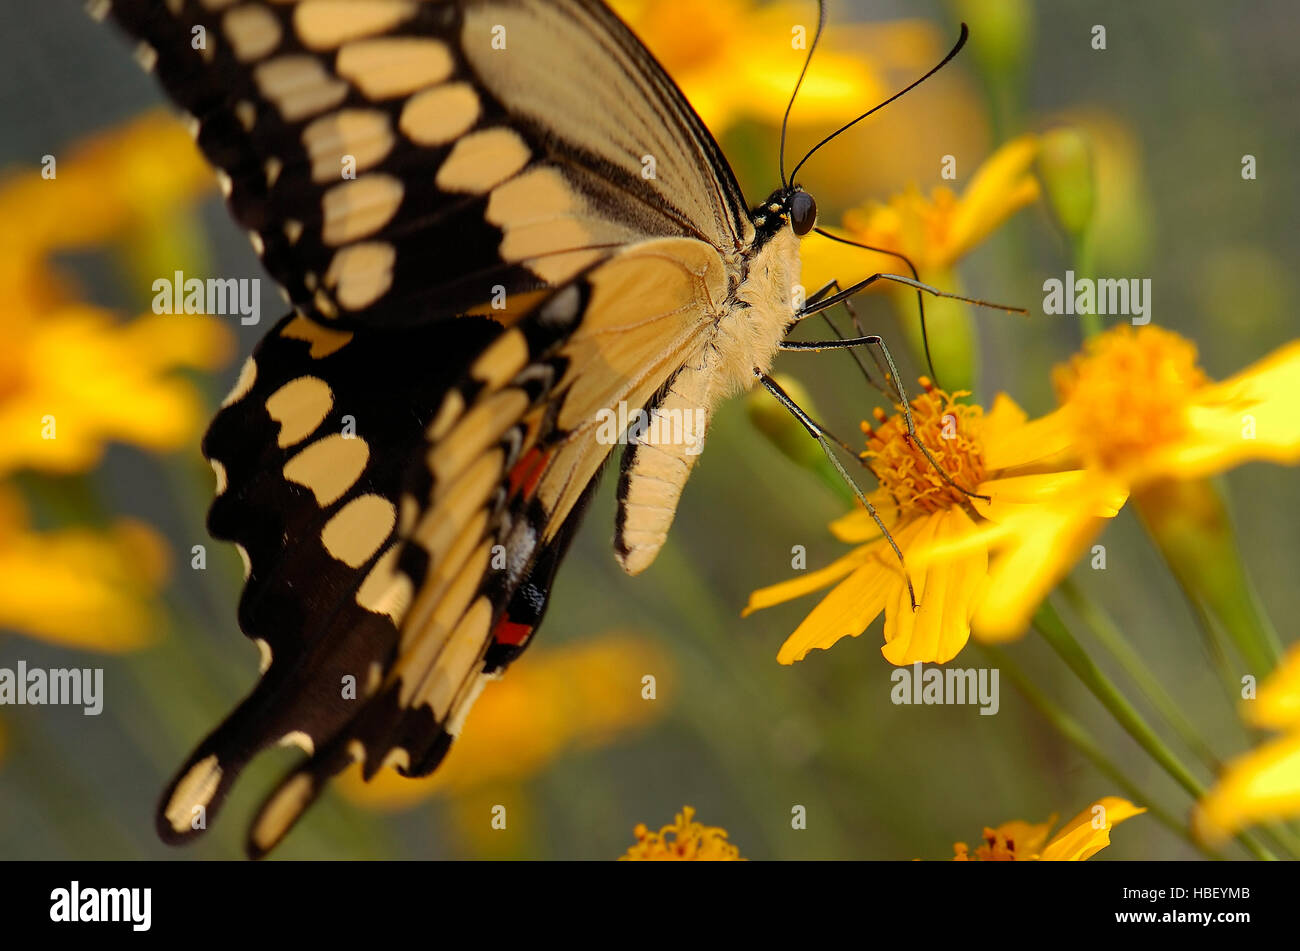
x,y
788,206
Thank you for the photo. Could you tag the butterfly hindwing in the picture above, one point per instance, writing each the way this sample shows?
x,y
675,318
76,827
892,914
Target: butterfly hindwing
x,y
523,428
312,452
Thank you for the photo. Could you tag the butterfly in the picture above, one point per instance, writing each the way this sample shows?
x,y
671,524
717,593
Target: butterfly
x,y
455,197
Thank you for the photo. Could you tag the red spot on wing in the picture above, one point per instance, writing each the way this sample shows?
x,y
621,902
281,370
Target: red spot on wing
x,y
526,473
511,632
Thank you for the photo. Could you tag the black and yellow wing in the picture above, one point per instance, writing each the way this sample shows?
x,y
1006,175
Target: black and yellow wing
x,y
539,228
397,161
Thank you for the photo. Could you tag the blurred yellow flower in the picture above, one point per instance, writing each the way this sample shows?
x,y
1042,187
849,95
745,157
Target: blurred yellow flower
x,y
72,377
935,232
78,587
685,840
1079,839
923,510
739,59
114,182
1136,411
554,701
1265,783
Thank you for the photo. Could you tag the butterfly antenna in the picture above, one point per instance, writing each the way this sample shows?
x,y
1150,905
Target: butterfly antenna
x,y
785,122
961,41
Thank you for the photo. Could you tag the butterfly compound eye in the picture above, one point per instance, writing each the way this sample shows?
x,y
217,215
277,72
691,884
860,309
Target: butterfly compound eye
x,y
803,213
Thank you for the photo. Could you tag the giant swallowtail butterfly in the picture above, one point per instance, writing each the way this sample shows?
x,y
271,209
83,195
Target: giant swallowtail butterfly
x,y
496,272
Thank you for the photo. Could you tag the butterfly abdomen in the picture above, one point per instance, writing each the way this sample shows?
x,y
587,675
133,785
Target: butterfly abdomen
x,y
658,462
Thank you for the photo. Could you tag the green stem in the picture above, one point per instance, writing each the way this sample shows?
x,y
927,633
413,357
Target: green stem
x,y
1081,254
1049,624
1111,638
1077,735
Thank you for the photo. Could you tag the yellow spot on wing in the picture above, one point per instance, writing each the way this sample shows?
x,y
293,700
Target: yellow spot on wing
x,y
357,530
427,640
394,66
195,789
247,377
323,340
439,115
483,425
220,471
264,655
325,24
458,658
362,134
499,363
299,407
299,739
453,404
386,590
329,467
361,273
356,209
482,160
253,31
299,86
278,814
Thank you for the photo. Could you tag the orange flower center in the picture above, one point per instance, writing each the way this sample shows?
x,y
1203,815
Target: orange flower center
x,y
997,847
949,430
1129,392
684,841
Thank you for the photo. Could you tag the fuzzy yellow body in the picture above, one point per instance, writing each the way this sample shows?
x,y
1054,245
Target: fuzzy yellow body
x,y
745,337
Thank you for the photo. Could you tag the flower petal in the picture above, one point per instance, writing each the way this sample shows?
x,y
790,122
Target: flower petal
x,y
1001,186
1263,784
1277,706
1044,543
847,611
806,583
1080,838
942,621
1034,441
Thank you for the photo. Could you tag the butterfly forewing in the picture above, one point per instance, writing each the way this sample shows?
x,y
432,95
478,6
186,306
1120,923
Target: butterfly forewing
x,y
356,136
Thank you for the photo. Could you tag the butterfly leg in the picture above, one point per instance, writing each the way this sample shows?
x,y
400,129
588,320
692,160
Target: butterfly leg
x,y
819,432
874,340
834,285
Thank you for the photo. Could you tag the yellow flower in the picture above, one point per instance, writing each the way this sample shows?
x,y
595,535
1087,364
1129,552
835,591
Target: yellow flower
x,y
923,510
77,587
738,59
935,232
72,377
1136,410
1265,783
107,186
1079,839
557,700
685,840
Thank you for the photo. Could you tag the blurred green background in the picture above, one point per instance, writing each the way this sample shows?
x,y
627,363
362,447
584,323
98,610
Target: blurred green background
x,y
1185,89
